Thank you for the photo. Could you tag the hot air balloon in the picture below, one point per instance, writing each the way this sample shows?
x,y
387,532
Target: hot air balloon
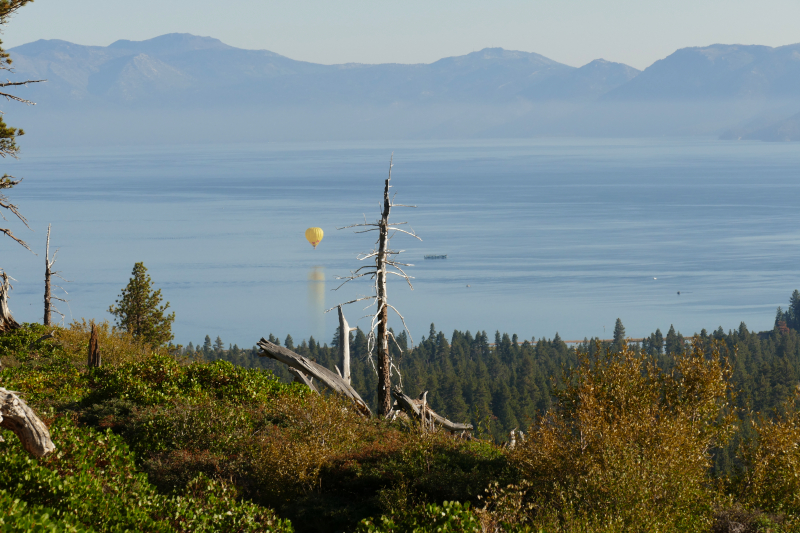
x,y
314,236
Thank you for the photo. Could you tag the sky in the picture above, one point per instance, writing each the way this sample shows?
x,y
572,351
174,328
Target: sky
x,y
574,32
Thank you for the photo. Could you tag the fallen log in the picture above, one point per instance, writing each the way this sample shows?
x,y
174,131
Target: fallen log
x,y
419,409
299,377
15,415
310,368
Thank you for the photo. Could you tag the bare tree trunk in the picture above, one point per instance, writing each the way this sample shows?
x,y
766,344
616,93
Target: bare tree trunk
x,y
419,408
15,415
94,349
385,264
47,273
344,345
7,322
384,364
299,377
312,369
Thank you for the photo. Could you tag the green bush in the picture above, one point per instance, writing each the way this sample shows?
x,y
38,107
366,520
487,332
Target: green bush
x,y
19,516
28,344
450,517
91,481
160,379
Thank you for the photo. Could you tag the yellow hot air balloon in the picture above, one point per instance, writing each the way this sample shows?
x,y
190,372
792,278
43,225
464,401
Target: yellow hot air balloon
x,y
314,236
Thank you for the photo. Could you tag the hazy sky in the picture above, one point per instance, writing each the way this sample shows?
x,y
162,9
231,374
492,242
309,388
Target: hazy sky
x,y
636,32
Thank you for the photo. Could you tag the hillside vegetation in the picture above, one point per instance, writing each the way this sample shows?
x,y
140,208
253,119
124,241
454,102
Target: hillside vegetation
x,y
625,441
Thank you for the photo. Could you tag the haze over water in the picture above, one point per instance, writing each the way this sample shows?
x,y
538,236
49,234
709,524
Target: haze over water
x,y
550,235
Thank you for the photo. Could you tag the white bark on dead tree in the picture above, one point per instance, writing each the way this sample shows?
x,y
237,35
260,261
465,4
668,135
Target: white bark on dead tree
x,y
420,410
344,345
310,368
384,265
49,308
299,377
16,416
7,322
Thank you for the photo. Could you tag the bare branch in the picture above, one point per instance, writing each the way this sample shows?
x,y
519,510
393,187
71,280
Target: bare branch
x,y
20,241
17,83
5,204
351,302
408,233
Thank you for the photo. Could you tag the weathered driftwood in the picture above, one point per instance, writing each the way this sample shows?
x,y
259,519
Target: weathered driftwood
x,y
7,322
93,359
15,415
420,410
310,368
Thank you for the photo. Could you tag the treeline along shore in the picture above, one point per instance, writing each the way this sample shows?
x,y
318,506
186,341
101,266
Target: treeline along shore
x,y
509,383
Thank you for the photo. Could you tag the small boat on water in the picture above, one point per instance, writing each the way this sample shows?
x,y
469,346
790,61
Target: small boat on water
x,y
432,256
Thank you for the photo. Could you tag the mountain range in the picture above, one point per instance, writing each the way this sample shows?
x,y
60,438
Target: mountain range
x,y
178,86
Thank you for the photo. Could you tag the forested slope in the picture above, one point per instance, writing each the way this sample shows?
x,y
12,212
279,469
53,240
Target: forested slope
x,y
506,382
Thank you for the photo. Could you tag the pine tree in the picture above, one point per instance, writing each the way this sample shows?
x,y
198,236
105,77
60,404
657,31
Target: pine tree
x,y
138,310
619,336
207,346
794,311
289,342
673,343
219,346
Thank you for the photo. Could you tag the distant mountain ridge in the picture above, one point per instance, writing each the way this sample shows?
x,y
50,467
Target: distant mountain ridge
x,y
718,71
167,81
176,66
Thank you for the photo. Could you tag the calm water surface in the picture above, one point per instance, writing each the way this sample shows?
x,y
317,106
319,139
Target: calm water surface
x,y
542,236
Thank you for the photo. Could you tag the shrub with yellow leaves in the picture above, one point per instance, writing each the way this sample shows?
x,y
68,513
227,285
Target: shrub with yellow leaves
x,y
629,447
116,346
770,479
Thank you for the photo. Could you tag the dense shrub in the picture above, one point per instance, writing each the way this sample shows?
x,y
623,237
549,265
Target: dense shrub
x,y
160,379
19,516
92,482
770,478
449,517
117,346
31,342
630,444
154,442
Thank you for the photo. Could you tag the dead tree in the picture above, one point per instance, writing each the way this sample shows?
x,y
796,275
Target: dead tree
x,y
305,370
93,360
384,265
306,367
7,322
49,308
344,345
8,147
419,409
16,416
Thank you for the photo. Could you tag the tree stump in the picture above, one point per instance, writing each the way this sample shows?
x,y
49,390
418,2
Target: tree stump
x,y
94,349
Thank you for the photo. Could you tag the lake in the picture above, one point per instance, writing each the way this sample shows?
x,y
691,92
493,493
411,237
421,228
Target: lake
x,y
541,236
